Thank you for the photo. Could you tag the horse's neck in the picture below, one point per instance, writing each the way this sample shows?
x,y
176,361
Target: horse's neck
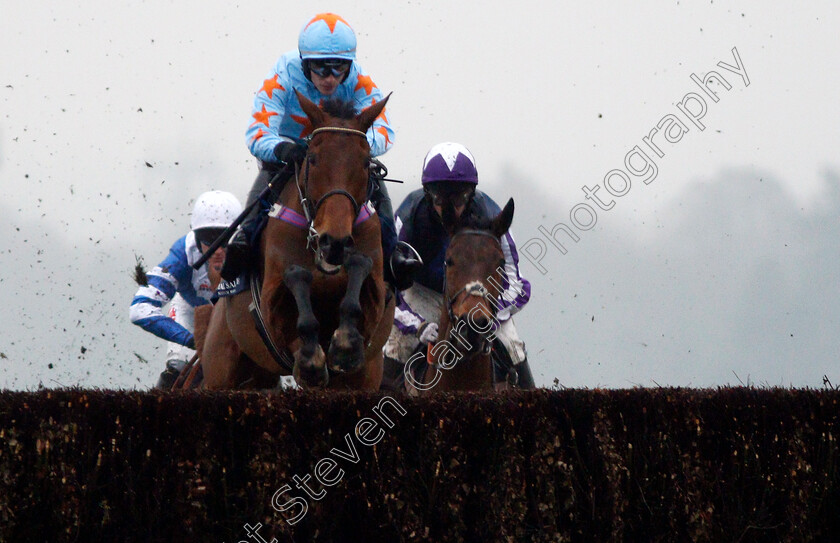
x,y
470,372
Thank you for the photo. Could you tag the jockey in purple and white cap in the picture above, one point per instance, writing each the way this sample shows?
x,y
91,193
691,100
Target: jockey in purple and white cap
x,y
449,174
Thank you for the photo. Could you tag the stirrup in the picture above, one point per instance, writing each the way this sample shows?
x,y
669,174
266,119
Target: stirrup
x,y
403,268
413,254
239,239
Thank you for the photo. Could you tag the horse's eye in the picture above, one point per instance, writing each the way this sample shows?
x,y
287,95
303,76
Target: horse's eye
x,y
311,159
448,263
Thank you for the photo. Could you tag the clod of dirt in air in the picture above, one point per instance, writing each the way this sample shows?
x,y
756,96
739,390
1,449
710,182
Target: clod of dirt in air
x,y
140,272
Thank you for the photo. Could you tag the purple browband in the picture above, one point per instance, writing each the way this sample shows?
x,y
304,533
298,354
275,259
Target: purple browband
x,y
294,218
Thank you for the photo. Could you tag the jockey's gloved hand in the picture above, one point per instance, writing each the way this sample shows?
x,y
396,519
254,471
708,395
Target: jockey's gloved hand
x,y
428,332
289,152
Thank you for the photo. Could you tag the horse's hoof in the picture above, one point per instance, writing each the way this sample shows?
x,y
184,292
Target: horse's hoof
x,y
312,377
311,371
347,350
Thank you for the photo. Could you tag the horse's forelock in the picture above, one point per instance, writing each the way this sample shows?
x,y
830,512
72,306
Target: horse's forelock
x,y
475,222
341,109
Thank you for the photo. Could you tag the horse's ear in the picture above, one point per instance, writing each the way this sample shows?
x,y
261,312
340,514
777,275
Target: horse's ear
x,y
501,223
311,109
368,115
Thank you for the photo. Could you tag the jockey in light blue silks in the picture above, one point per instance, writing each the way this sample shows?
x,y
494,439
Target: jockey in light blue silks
x,y
449,174
324,66
176,283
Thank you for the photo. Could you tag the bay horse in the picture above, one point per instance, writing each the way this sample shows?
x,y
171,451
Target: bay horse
x,y
473,278
322,296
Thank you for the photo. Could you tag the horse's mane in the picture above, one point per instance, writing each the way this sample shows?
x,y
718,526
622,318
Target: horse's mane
x,y
341,109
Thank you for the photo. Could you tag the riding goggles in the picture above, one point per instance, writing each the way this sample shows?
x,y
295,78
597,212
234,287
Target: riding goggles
x,y
457,199
327,67
207,236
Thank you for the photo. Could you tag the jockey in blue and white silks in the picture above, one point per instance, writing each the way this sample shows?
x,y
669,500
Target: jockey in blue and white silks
x,y
449,173
323,67
174,275
175,285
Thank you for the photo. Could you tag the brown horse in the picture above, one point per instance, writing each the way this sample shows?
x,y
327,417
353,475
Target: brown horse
x,y
322,298
461,358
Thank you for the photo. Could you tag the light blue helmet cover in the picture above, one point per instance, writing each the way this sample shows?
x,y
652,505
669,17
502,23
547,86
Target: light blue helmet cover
x,y
327,35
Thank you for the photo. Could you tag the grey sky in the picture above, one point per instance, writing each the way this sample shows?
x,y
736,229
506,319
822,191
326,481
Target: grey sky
x,y
724,267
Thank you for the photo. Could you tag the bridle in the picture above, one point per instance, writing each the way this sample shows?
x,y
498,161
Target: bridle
x,y
473,288
310,210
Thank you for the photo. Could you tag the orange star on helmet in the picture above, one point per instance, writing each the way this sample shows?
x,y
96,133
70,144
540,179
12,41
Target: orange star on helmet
x,y
365,82
269,85
330,18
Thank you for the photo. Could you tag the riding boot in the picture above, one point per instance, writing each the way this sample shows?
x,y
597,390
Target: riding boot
x,y
523,371
518,375
399,270
393,379
167,379
238,252
170,374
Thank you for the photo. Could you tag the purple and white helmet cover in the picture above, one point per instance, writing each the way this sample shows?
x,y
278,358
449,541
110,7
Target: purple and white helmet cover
x,y
449,161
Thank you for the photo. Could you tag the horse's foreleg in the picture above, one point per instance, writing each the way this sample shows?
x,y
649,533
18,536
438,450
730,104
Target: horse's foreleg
x,y
347,347
310,362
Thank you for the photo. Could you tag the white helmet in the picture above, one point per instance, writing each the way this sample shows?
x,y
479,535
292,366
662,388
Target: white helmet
x,y
215,209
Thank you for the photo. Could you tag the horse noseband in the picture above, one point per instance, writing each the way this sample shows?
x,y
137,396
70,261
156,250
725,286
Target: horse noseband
x,y
474,288
356,206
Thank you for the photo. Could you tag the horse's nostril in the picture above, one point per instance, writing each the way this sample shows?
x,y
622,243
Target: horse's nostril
x,y
480,322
